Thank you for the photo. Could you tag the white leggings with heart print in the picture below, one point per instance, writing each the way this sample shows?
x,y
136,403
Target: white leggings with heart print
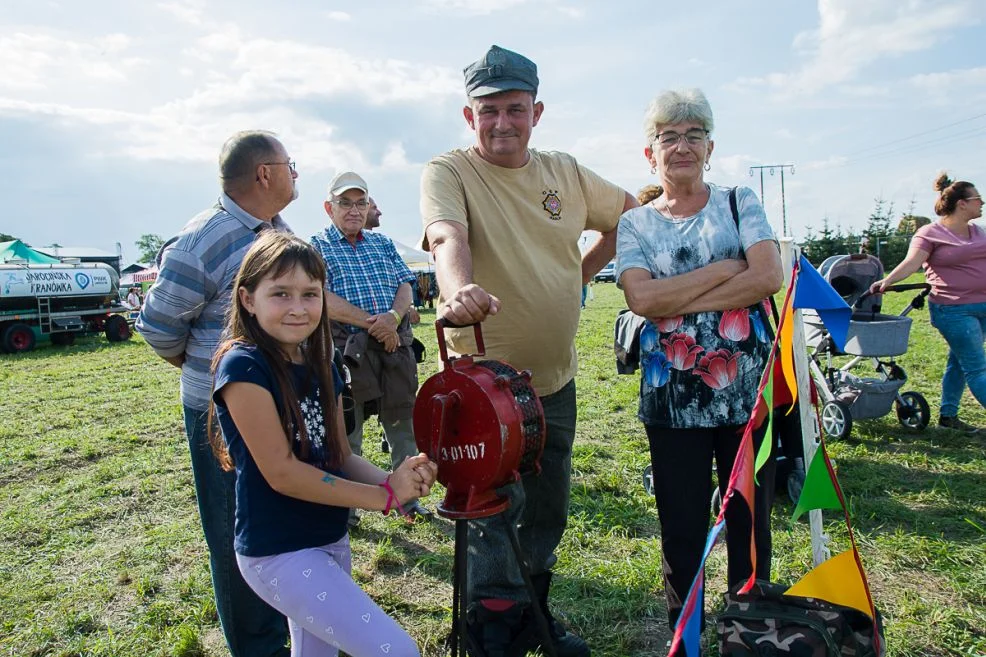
x,y
326,610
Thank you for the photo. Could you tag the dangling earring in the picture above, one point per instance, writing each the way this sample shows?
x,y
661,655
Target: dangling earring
x,y
653,170
708,167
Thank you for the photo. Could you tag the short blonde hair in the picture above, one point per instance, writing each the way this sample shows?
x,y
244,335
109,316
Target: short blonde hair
x,y
677,106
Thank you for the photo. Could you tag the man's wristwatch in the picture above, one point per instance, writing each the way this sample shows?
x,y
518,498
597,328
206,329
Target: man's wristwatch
x,y
396,315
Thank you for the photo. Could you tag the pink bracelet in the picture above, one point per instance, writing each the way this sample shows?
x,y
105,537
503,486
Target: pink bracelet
x,y
391,499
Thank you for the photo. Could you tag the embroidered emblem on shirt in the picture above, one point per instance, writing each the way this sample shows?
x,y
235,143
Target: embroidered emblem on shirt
x,y
552,204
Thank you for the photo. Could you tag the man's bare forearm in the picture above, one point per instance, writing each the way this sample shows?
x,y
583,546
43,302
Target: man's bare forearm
x,y
344,312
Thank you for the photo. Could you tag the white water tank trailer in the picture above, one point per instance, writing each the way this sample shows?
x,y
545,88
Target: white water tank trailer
x,y
59,301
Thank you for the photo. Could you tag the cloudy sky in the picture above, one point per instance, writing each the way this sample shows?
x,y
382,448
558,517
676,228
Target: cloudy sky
x,y
112,111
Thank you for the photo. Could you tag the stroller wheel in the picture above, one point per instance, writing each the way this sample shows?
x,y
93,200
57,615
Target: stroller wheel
x,y
912,410
836,419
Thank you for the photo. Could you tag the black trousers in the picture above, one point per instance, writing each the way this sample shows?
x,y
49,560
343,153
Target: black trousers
x,y
682,464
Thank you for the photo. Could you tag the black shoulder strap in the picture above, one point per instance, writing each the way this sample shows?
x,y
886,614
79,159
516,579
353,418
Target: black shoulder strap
x,y
734,207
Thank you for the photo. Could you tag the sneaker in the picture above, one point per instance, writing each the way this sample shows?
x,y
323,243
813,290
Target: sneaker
x,y
954,423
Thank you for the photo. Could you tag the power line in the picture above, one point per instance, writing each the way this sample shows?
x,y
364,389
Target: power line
x,y
909,148
912,148
917,134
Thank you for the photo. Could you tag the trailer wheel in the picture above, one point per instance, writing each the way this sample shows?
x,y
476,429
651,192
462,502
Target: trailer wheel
x,y
913,411
63,339
117,329
18,338
836,419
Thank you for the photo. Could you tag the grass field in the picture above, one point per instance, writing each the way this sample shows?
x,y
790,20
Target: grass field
x,y
101,552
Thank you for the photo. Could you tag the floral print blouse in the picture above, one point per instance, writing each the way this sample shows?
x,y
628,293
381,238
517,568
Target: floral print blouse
x,y
699,370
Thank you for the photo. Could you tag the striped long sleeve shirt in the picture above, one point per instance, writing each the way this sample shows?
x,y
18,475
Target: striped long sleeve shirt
x,y
184,312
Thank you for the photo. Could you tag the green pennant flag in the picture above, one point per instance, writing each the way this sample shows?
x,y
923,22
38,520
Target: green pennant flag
x,y
818,491
763,454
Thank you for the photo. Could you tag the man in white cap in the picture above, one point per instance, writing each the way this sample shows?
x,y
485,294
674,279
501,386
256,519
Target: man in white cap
x,y
503,222
368,295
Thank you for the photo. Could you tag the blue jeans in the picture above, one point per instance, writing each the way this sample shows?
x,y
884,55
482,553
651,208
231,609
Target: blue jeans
x,y
252,627
963,327
538,507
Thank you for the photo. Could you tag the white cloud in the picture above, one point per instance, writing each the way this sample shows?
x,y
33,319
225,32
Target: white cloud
x,y
944,87
187,12
571,12
470,7
852,35
734,166
338,16
827,163
33,62
262,79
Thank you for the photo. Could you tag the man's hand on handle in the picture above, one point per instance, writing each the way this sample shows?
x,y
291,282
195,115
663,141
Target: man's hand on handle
x,y
469,305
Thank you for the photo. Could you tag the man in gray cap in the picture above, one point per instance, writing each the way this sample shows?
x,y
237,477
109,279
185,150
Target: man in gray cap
x,y
503,222
368,293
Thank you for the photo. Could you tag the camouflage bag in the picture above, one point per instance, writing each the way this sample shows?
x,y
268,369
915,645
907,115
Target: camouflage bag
x,y
765,622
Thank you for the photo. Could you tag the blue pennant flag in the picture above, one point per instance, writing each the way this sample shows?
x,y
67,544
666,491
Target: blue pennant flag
x,y
688,629
814,292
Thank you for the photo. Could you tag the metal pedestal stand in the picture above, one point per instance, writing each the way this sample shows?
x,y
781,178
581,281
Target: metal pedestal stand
x,y
458,638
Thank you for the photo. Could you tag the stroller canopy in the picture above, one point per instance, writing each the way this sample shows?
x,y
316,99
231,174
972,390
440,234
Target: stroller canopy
x,y
852,275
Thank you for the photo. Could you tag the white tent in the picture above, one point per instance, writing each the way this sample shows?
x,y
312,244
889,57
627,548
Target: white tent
x,y
414,258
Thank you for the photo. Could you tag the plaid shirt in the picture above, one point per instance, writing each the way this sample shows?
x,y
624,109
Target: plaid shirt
x,y
367,273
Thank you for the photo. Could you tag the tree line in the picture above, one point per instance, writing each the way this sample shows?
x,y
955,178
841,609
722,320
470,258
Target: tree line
x,y
884,236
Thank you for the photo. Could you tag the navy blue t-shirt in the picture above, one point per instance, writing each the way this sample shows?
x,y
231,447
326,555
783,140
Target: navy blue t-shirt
x,y
268,522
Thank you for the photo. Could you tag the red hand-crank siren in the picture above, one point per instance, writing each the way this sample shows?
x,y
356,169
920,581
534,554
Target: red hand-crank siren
x,y
483,424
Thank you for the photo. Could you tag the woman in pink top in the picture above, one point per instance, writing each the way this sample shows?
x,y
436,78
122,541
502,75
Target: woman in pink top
x,y
953,253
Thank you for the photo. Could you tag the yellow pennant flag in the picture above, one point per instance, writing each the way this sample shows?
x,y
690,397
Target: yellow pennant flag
x,y
786,348
838,581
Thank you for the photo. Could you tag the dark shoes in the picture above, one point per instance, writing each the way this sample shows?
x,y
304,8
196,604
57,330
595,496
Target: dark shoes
x,y
417,510
566,644
514,632
505,633
954,423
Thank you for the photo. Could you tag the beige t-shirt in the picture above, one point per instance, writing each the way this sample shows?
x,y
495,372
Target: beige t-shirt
x,y
524,227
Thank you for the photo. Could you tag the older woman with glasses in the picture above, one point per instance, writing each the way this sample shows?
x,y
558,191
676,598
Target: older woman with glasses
x,y
952,251
698,273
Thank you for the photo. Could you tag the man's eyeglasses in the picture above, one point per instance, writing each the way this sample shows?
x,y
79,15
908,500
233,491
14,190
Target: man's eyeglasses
x,y
670,138
290,164
347,205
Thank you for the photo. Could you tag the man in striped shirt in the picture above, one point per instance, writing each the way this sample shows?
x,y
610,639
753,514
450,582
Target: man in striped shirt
x,y
182,319
368,290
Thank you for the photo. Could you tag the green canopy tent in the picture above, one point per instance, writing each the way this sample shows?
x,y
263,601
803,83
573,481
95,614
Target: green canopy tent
x,y
17,252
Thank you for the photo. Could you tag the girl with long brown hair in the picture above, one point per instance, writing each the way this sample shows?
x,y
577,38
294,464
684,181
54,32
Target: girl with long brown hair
x,y
276,399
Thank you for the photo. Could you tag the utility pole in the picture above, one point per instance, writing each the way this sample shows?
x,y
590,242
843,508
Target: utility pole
x,y
771,168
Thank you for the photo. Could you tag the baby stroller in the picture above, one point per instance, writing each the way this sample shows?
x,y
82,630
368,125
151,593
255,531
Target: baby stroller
x,y
873,337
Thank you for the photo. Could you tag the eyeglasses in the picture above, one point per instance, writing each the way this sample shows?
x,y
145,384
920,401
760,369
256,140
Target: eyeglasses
x,y
290,164
973,198
693,137
347,205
